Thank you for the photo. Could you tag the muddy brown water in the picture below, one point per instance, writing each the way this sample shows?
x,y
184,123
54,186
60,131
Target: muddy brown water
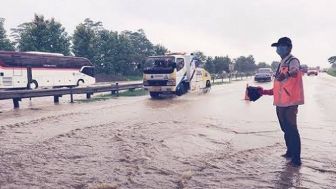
x,y
215,140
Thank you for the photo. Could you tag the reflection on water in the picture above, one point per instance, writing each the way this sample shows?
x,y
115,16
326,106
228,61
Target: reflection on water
x,y
289,177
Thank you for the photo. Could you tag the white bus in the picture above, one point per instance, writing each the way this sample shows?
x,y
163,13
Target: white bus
x,y
34,69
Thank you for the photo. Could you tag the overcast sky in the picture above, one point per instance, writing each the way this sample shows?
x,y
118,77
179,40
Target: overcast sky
x,y
216,27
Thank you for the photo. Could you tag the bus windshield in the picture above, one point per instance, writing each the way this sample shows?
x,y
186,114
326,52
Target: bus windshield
x,y
88,70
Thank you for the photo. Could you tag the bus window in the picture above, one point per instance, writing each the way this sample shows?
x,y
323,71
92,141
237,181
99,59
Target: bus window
x,y
88,71
179,63
17,70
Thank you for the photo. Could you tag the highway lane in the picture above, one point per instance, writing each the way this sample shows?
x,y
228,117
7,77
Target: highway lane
x,y
214,140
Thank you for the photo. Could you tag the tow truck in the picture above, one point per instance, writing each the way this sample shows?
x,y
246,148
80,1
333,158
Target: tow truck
x,y
175,73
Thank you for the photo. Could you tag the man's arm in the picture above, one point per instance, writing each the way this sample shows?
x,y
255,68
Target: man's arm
x,y
267,92
294,67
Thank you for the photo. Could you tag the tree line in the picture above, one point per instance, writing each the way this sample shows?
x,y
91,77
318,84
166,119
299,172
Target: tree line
x,y
332,61
111,52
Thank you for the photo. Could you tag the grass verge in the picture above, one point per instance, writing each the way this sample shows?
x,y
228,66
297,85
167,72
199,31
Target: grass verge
x,y
134,77
332,72
128,93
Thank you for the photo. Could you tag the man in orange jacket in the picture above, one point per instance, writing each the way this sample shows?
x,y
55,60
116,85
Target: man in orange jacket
x,y
288,95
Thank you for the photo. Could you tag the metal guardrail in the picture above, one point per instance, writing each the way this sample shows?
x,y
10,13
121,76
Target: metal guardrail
x,y
230,76
17,95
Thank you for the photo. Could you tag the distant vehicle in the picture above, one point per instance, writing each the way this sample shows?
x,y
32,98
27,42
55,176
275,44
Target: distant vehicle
x,y
304,68
325,70
175,73
40,69
263,75
312,71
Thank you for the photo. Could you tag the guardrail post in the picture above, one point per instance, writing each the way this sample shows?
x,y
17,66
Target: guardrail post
x,y
117,89
29,76
56,99
71,95
112,91
16,102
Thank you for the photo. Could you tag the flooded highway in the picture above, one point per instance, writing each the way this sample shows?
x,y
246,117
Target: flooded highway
x,y
214,140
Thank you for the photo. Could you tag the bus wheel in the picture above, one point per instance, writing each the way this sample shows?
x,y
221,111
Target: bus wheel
x,y
80,82
154,94
33,85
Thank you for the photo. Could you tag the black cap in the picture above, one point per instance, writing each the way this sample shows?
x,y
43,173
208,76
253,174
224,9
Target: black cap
x,y
283,41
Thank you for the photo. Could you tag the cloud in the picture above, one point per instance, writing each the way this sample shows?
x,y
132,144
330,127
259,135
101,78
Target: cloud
x,y
216,27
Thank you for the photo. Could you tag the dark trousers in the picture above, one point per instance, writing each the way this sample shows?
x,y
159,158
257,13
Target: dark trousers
x,y
287,119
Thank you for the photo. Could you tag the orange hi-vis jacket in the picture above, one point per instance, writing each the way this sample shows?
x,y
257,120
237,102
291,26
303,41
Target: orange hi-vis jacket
x,y
288,92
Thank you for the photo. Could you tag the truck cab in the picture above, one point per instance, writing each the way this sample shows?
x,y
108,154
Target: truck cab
x,y
171,74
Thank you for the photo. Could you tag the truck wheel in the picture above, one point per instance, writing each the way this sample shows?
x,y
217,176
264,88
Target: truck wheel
x,y
154,94
180,90
208,84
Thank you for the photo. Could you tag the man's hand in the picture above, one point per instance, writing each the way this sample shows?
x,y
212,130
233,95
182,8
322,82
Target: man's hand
x,y
265,92
260,90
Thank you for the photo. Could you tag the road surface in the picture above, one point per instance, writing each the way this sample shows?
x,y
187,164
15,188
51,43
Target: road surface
x,y
214,140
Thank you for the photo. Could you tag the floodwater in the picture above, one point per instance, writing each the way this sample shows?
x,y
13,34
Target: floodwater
x,y
214,140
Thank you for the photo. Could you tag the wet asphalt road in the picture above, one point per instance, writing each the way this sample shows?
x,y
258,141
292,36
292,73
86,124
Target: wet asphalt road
x,y
214,140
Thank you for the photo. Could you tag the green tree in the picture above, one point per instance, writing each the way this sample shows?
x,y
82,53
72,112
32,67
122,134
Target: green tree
x,y
137,46
125,63
218,64
200,56
263,65
245,64
85,39
160,49
42,35
113,53
106,52
221,64
5,43
332,60
209,65
275,65
141,46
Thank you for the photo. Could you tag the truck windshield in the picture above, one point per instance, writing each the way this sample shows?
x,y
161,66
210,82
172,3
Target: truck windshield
x,y
160,62
160,65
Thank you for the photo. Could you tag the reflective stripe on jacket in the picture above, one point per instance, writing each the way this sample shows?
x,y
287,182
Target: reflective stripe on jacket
x,y
288,92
